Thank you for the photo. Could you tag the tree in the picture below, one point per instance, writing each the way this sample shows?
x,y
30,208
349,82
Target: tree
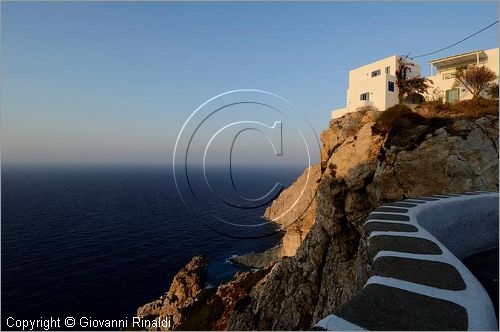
x,y
492,91
406,85
475,79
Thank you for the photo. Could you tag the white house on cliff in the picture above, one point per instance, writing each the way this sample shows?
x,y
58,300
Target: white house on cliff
x,y
375,84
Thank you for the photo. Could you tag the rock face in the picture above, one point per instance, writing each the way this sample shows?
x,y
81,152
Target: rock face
x,y
459,157
192,307
259,260
295,209
360,169
186,286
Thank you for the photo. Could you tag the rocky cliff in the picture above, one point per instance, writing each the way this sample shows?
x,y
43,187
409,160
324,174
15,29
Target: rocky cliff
x,y
186,287
294,211
361,168
189,306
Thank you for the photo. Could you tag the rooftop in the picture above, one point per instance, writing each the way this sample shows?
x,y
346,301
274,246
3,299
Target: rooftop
x,y
458,58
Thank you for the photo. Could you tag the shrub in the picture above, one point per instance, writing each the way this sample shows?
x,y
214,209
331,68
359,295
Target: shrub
x,y
404,128
436,96
408,129
464,109
395,118
366,108
493,91
429,108
468,108
477,108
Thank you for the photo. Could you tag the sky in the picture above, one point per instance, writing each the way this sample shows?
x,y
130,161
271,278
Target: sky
x,y
114,82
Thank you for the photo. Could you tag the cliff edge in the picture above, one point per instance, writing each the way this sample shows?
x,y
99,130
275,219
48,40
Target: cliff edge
x,y
362,166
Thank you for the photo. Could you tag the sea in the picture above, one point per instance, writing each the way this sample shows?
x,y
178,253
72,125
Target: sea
x,y
100,241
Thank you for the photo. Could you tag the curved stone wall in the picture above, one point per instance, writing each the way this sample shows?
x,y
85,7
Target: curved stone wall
x,y
418,281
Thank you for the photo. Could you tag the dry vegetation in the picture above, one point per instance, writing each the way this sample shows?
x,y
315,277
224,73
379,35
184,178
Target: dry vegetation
x,y
473,108
407,128
400,117
396,118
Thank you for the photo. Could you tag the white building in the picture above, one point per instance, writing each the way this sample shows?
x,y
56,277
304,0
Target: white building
x,y
375,84
447,67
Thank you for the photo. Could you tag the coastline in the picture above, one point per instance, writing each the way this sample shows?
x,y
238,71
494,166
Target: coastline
x,y
258,260
360,170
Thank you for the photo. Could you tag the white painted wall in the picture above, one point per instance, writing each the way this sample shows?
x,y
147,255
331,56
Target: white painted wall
x,y
464,228
444,84
361,81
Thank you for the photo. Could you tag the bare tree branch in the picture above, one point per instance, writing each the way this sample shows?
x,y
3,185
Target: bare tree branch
x,y
475,79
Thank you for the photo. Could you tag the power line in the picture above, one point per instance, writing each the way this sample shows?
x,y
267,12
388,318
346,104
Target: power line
x,y
458,42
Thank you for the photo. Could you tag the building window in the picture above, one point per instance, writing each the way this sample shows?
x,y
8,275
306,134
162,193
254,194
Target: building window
x,y
452,95
376,73
364,96
448,76
390,86
388,69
